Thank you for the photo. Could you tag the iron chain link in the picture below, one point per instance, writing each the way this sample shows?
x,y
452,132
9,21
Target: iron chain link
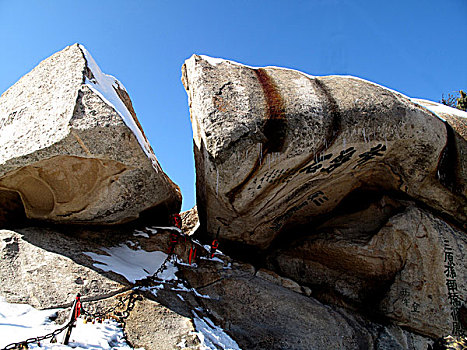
x,y
121,304
99,315
23,344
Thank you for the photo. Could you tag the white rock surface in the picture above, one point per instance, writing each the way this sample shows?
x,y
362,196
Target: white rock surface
x,y
72,149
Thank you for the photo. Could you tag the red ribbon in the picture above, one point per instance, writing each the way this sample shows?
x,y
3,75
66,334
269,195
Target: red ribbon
x,y
77,307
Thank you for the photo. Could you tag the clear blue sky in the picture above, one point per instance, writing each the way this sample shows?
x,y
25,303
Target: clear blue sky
x,y
416,47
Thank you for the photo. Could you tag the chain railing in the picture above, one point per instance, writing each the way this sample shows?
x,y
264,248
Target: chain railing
x,y
120,311
109,311
24,344
124,304
75,312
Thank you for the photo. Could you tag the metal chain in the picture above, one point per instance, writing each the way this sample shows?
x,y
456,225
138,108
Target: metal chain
x,y
121,304
121,315
102,314
153,278
163,267
23,344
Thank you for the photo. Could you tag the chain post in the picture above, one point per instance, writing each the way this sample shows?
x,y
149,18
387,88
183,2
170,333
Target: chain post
x,y
75,312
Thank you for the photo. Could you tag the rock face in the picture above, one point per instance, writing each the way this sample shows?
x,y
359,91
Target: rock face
x,y
456,153
154,326
190,220
259,314
354,191
258,309
47,269
276,148
412,271
72,150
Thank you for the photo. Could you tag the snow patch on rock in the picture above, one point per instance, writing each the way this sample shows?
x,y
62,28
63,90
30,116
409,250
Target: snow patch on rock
x,y
19,322
439,109
106,87
213,61
133,264
213,337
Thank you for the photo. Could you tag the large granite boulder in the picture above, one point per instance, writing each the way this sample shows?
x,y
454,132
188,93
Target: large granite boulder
x,y
275,148
190,220
455,155
72,149
46,269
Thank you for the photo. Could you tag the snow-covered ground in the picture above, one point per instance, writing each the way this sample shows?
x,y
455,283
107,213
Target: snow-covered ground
x,y
133,264
19,322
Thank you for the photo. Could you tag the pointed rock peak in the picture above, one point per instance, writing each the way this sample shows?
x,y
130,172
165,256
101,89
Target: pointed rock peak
x,y
72,149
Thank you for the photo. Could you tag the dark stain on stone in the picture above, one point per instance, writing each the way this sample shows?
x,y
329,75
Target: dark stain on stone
x,y
234,191
333,131
276,111
275,124
333,110
447,164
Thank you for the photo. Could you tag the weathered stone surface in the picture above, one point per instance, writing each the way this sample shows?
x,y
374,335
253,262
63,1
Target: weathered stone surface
x,y
412,270
190,221
47,269
455,155
156,327
72,149
44,267
260,314
276,148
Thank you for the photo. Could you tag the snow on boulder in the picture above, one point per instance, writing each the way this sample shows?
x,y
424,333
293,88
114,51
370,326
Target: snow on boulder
x,y
72,149
456,149
275,147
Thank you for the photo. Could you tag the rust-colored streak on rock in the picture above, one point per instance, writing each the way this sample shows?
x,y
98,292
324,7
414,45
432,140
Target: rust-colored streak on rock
x,y
274,127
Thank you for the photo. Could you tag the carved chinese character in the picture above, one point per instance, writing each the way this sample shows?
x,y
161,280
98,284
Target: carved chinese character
x,y
343,157
415,306
318,198
448,257
455,299
371,154
449,270
451,284
404,293
313,168
457,329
